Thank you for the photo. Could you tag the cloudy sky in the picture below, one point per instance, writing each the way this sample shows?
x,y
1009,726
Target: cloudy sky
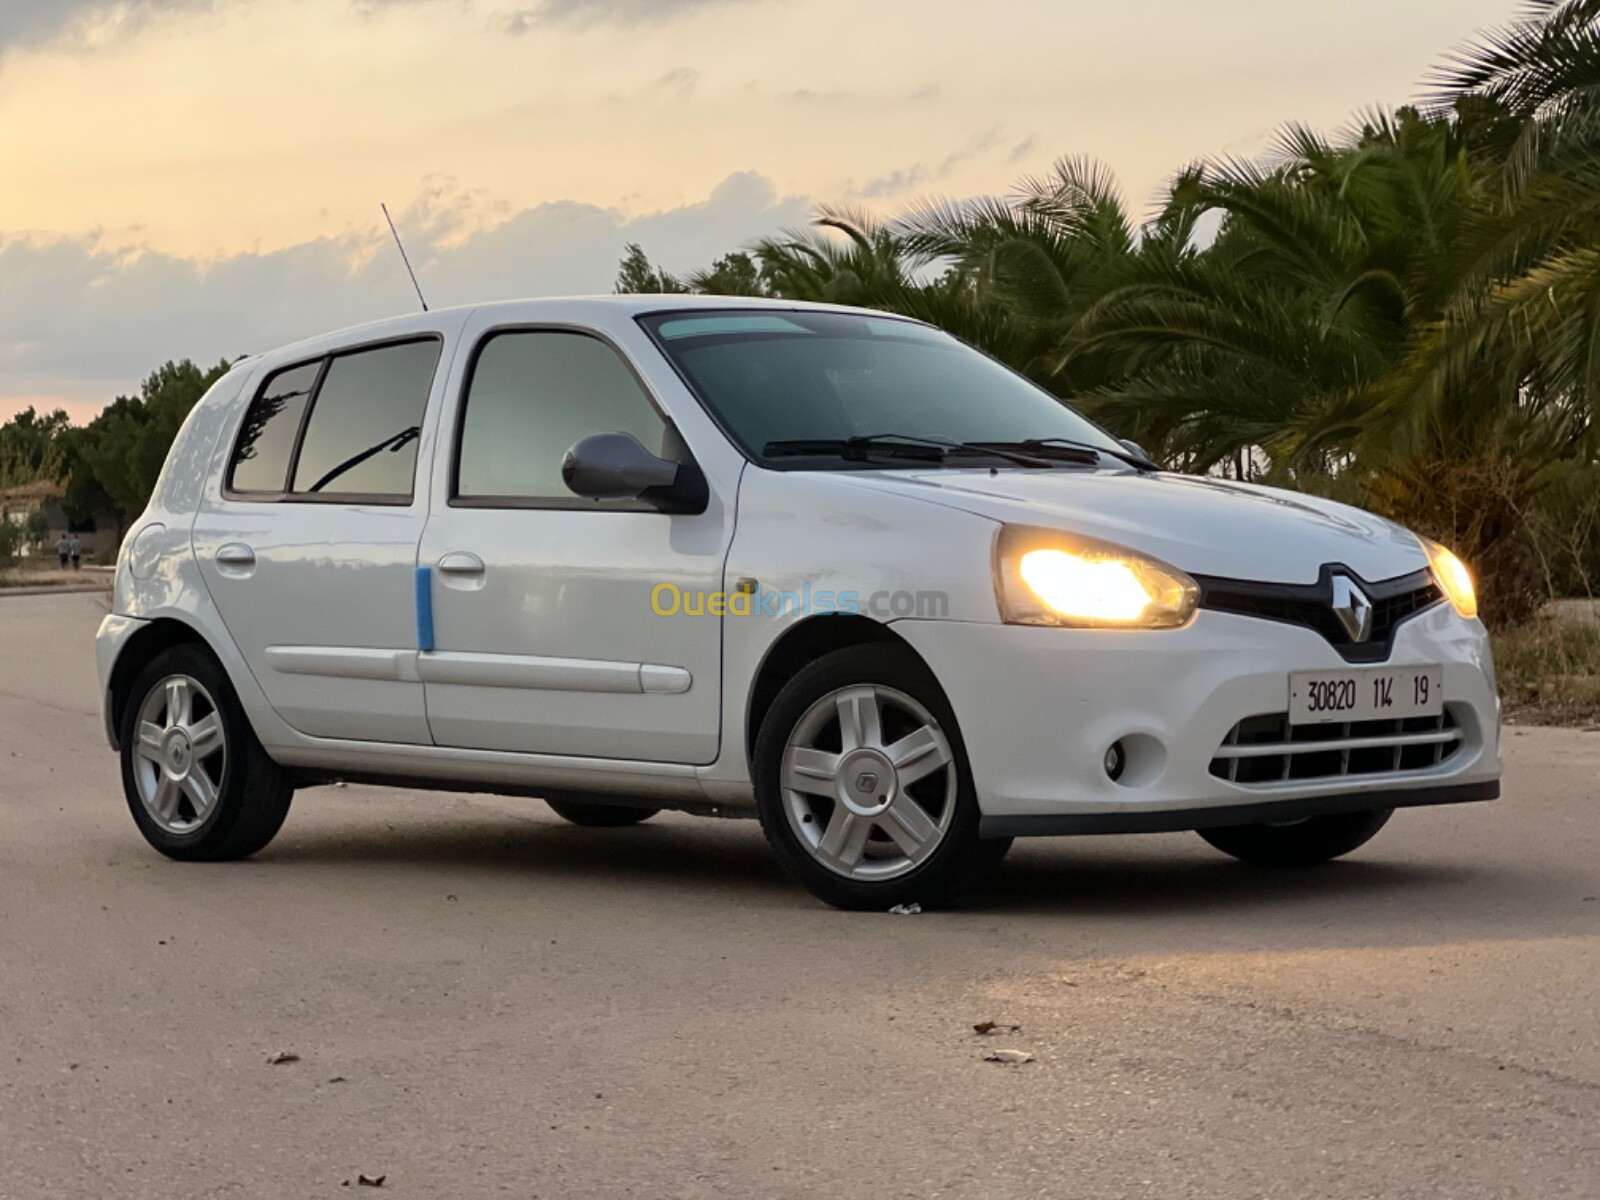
x,y
202,177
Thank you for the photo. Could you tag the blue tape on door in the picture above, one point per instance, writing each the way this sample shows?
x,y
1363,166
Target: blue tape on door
x,y
424,608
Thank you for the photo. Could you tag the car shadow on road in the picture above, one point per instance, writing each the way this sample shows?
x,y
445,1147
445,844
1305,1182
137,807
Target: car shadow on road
x,y
700,857
1127,883
1122,881
1176,896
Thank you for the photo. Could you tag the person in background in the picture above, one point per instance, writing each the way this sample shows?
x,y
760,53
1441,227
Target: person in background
x,y
63,548
75,547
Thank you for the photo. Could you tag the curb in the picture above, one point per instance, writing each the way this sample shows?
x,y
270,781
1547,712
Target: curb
x,y
64,590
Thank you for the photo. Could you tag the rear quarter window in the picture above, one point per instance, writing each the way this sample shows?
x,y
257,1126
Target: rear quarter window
x,y
260,461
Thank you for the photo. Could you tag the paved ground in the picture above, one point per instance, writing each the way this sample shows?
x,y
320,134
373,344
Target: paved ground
x,y
485,1001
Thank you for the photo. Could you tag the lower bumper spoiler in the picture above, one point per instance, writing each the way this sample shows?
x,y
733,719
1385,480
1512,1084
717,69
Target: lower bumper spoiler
x,y
1174,820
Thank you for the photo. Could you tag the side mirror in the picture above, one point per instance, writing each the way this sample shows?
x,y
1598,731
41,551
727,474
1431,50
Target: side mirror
x,y
616,466
1135,449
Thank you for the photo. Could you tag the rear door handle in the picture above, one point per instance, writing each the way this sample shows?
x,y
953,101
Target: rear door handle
x,y
236,554
459,562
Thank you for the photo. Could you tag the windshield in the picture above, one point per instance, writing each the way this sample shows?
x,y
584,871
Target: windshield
x,y
785,384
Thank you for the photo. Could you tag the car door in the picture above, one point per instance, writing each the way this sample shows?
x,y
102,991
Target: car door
x,y
545,639
308,541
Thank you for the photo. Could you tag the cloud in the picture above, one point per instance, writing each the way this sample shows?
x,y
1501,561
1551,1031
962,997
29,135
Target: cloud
x,y
680,82
33,22
920,175
608,12
37,22
80,322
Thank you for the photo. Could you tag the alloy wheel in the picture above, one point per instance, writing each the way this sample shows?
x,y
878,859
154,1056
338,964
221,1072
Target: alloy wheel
x,y
869,782
181,754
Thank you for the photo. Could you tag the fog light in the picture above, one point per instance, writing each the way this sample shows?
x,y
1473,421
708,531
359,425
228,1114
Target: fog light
x,y
1116,760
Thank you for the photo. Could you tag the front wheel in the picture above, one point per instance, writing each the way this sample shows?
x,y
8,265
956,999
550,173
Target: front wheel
x,y
198,783
1299,843
863,785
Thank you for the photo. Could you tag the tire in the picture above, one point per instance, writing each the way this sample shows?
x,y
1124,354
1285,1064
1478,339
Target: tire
x,y
232,800
875,852
1302,843
599,816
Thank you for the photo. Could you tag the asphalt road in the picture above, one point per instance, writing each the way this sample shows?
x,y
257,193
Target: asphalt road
x,y
486,1001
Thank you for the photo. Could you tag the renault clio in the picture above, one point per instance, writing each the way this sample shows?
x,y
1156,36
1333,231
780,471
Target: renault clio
x,y
825,566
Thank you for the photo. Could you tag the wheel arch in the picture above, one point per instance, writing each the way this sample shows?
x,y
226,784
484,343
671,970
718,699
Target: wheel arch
x,y
159,635
803,643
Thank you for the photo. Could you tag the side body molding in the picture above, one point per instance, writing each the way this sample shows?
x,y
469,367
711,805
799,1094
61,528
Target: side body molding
x,y
480,670
344,662
538,673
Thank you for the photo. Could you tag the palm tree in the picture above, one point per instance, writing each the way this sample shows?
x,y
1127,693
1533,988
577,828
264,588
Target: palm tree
x,y
1030,263
1531,293
1279,333
864,265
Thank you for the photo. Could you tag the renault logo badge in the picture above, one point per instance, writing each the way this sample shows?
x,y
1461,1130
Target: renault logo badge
x,y
1353,609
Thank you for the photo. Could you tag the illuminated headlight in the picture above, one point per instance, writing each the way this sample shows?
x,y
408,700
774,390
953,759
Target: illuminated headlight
x,y
1047,577
1453,578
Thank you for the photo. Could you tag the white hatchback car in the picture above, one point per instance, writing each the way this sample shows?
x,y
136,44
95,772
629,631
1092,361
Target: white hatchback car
x,y
825,566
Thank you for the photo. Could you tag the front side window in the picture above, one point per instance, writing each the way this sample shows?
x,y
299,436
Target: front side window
x,y
361,438
783,382
261,456
533,394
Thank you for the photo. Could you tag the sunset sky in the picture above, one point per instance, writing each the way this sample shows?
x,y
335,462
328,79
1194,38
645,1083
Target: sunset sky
x,y
202,177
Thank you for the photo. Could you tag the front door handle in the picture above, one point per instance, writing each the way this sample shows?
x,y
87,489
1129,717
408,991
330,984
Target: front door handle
x,y
459,562
236,554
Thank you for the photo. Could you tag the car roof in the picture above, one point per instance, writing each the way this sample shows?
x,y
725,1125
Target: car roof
x,y
549,309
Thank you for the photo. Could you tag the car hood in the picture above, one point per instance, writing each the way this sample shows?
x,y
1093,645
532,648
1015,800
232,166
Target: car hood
x,y
1203,526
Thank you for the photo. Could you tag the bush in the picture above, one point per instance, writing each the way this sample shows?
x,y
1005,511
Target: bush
x,y
36,529
11,536
1554,659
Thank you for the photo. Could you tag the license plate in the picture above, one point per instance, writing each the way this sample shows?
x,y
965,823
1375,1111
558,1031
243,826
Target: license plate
x,y
1365,694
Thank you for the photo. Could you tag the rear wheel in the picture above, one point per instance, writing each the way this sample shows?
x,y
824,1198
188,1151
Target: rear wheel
x,y
197,781
863,786
1299,843
600,816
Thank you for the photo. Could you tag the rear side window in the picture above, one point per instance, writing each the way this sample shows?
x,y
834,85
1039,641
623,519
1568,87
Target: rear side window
x,y
261,456
341,426
361,438
533,394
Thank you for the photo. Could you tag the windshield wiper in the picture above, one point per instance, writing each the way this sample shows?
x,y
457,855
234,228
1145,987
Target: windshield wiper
x,y
899,445
1039,445
886,445
1044,449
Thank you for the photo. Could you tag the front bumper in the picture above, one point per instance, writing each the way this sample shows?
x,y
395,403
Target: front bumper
x,y
1039,707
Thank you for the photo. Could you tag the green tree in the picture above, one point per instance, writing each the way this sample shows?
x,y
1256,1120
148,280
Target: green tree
x,y
733,274
29,447
1530,299
638,276
115,460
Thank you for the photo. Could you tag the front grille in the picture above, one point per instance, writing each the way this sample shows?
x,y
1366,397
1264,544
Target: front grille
x,y
1394,601
1267,749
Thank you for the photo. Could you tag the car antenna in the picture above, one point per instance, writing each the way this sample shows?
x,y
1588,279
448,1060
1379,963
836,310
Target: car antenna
x,y
404,257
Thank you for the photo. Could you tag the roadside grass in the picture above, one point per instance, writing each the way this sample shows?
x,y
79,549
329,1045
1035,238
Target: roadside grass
x,y
1549,667
28,574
